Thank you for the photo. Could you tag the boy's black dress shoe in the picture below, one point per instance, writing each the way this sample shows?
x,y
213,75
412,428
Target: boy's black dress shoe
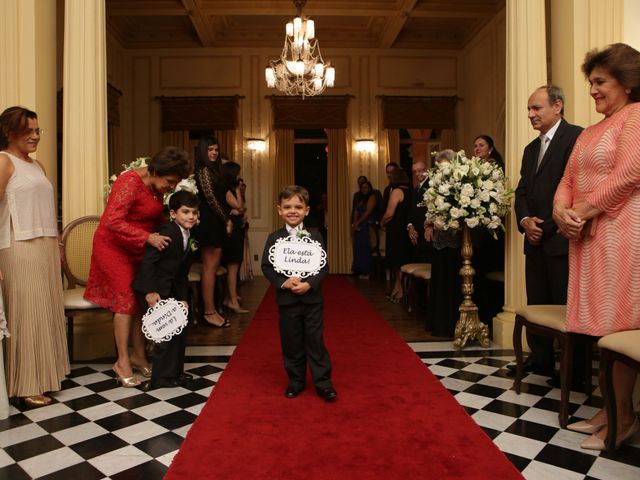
x,y
328,394
184,377
293,391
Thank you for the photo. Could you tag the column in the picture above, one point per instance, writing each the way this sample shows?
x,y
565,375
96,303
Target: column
x,y
28,73
84,151
526,70
578,26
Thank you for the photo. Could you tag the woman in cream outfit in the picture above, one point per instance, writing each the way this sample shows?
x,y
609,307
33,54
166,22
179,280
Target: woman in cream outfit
x,y
36,350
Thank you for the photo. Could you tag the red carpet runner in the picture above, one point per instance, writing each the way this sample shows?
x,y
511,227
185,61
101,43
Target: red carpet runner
x,y
392,419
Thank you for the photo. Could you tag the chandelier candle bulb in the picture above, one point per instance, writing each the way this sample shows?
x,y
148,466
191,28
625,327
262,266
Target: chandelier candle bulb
x,y
297,23
319,69
310,29
331,76
289,29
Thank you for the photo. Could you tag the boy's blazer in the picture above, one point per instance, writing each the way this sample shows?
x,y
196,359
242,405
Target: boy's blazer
x,y
166,272
285,296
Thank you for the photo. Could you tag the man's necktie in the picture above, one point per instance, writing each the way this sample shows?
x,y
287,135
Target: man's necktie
x,y
544,143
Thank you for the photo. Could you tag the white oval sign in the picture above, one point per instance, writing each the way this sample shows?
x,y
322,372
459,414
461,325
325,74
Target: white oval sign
x,y
164,320
297,256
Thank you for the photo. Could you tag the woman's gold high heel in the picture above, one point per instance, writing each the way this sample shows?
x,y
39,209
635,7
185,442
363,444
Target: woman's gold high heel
x,y
37,401
126,382
145,371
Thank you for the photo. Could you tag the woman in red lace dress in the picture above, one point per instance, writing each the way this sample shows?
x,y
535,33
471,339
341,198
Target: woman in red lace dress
x,y
134,211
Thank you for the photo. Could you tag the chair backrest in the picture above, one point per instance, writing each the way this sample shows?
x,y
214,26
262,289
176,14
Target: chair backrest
x,y
77,240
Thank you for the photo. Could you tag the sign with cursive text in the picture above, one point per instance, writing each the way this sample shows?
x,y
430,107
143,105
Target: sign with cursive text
x,y
297,256
164,320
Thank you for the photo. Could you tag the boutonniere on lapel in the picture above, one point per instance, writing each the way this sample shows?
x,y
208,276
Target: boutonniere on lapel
x,y
302,233
193,244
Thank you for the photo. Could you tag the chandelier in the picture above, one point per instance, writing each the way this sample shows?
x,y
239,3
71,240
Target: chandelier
x,y
300,70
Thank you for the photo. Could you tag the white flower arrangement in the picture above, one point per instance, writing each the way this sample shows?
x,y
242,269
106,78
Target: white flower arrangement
x,y
467,191
188,183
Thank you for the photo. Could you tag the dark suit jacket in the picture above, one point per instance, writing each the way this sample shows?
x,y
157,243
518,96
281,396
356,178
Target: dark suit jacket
x,y
535,191
165,272
285,296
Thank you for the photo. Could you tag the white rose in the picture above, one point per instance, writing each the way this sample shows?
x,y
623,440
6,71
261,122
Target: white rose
x,y
493,208
487,185
475,203
444,189
455,224
455,212
472,222
464,201
467,190
484,196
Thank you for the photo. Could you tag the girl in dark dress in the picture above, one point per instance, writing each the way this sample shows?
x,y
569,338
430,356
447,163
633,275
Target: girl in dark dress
x,y
234,252
394,221
214,227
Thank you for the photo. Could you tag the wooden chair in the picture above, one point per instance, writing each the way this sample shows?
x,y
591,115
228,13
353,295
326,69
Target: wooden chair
x,y
616,347
412,274
77,243
549,321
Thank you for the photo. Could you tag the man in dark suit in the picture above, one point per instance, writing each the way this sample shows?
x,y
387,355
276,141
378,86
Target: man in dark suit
x,y
422,250
300,304
546,251
164,274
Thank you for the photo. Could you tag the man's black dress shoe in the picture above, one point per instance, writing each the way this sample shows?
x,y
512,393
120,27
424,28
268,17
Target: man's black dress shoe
x,y
293,391
328,394
184,377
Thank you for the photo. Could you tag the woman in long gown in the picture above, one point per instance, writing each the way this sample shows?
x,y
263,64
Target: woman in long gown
x,y
36,352
133,212
596,206
363,214
445,293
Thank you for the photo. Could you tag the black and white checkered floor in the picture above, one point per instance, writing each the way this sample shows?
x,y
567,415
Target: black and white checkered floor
x,y
97,430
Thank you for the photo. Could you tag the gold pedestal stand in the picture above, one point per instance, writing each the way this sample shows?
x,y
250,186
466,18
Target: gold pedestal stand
x,y
469,326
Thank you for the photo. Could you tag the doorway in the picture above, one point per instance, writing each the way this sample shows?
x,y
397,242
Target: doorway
x,y
310,172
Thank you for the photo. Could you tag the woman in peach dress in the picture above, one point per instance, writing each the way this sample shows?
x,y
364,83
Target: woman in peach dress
x,y
596,206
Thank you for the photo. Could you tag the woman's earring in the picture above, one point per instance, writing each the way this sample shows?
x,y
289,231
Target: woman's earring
x,y
628,91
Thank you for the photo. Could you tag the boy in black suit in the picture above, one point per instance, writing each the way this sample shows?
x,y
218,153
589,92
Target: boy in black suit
x,y
164,274
300,304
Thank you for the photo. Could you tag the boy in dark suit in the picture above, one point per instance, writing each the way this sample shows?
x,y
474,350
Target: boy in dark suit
x,y
164,274
300,304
